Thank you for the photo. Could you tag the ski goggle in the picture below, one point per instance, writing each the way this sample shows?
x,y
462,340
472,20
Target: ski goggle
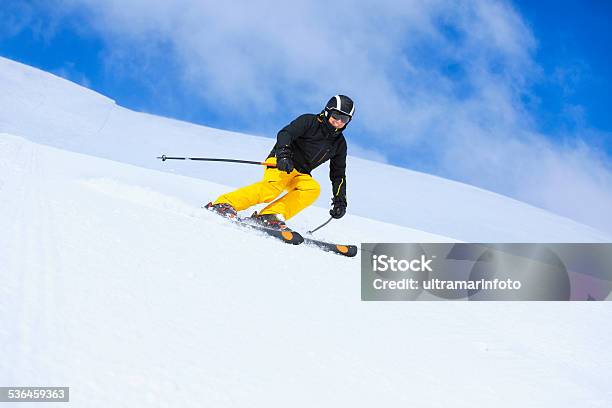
x,y
343,117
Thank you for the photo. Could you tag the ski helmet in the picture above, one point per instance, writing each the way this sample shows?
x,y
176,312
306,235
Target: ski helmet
x,y
341,104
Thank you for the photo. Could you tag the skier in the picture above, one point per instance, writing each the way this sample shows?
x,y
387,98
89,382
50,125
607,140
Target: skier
x,y
303,145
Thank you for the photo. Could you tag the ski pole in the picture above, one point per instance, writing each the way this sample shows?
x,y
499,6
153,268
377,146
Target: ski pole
x,y
163,157
321,226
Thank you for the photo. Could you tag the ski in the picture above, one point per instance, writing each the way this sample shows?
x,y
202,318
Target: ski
x,y
288,236
345,250
295,238
292,237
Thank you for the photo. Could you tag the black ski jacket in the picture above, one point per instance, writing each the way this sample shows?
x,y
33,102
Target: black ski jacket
x,y
313,141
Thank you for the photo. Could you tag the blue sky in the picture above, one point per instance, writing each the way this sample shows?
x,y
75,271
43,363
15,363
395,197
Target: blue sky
x,y
504,95
574,50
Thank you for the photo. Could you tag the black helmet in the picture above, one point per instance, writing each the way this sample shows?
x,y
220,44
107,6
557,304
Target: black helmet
x,y
342,104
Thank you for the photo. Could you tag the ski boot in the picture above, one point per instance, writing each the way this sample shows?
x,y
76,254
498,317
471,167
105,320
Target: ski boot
x,y
223,209
272,221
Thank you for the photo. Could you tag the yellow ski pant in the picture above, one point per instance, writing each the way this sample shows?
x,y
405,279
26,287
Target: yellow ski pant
x,y
302,190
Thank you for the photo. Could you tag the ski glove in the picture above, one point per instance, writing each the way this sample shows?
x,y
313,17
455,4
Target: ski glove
x,y
283,159
339,207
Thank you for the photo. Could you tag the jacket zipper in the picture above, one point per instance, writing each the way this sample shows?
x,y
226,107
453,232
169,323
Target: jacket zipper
x,y
322,157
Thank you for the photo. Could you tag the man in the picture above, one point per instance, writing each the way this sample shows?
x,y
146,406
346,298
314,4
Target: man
x,y
303,145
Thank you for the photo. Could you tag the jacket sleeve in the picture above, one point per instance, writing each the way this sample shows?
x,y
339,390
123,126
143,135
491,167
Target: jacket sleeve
x,y
293,131
337,171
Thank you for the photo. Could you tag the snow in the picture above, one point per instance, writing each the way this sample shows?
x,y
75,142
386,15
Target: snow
x,y
117,284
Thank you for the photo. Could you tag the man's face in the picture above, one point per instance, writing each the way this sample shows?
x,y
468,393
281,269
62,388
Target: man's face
x,y
338,120
338,124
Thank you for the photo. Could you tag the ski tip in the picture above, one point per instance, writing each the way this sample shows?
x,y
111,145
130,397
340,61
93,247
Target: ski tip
x,y
292,237
347,250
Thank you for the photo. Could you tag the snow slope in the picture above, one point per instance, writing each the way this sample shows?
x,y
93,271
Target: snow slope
x,y
132,296
116,283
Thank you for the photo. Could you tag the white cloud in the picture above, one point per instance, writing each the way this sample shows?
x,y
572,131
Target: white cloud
x,y
437,76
